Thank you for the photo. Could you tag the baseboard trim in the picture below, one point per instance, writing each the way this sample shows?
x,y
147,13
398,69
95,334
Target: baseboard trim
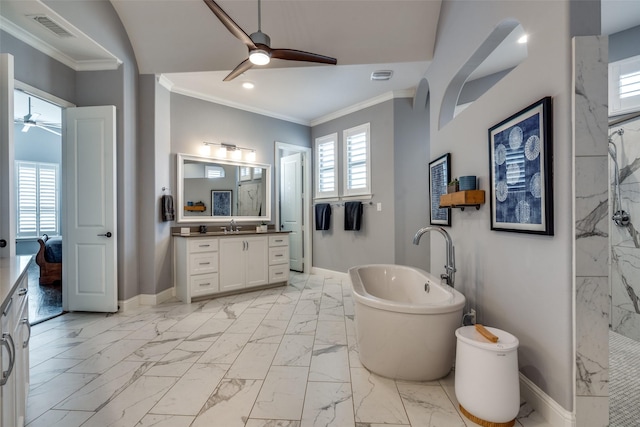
x,y
330,273
146,299
548,408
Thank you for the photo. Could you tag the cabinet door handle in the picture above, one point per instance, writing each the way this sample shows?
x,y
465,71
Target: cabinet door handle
x,y
7,342
25,321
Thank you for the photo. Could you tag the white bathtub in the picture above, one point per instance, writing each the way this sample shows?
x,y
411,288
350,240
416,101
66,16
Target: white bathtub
x,y
404,332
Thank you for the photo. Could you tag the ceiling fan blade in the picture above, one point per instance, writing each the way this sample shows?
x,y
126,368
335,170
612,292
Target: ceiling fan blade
x,y
230,23
241,68
299,55
48,130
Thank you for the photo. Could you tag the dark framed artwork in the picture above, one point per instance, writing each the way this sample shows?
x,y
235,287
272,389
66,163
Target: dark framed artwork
x,y
521,171
439,177
221,202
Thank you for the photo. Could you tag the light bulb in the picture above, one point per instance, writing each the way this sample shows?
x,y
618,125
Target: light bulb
x,y
248,85
523,39
251,156
222,152
259,57
205,150
236,154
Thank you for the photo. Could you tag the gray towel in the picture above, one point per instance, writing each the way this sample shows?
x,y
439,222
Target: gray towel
x,y
352,215
323,216
168,212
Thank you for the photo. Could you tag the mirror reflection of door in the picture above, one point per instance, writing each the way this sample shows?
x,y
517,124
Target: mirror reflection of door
x,y
291,212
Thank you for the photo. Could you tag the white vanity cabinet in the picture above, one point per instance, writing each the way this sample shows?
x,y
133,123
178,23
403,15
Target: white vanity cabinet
x,y
206,266
244,261
196,267
14,348
278,258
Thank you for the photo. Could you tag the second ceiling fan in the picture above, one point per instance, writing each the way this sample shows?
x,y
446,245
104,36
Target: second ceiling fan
x,y
259,45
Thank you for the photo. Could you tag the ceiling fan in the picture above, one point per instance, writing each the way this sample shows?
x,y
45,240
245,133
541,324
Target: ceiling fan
x,y
29,121
259,44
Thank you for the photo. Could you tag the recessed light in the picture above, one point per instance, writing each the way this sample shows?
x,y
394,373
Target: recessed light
x,y
523,39
248,85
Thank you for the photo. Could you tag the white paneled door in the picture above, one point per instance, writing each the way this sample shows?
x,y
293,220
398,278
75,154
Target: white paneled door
x,y
89,209
291,206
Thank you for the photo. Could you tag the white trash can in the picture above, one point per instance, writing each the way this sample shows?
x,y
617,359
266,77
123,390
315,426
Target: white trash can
x,y
486,376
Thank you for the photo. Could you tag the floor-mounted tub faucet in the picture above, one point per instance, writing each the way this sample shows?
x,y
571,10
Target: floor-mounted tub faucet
x,y
450,267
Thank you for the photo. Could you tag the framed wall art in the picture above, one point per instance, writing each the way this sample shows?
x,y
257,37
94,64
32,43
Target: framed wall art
x,y
221,202
439,177
521,171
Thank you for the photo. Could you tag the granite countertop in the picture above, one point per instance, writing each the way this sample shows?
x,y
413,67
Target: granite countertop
x,y
11,271
228,233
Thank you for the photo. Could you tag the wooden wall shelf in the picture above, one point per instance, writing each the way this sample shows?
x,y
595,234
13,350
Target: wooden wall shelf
x,y
462,199
196,208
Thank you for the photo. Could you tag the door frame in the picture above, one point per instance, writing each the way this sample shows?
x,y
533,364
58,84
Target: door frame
x,y
306,203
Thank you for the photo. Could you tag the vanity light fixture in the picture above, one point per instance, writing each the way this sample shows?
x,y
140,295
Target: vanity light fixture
x,y
229,150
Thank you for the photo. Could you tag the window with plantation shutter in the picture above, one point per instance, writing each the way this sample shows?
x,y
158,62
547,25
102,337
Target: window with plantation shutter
x,y
326,166
37,199
624,86
357,173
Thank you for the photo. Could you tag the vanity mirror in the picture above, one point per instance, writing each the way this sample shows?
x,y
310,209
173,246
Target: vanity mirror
x,y
213,190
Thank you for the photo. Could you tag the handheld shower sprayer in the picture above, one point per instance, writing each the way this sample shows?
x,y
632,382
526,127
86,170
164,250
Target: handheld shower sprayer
x,y
620,216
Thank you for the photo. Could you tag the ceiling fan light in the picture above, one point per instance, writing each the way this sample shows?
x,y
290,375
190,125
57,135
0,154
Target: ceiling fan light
x,y
259,57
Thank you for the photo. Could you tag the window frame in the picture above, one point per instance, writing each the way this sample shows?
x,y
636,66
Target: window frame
x,y
317,166
346,135
617,69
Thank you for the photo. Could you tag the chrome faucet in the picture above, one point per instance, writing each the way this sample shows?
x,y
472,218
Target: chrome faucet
x,y
450,268
232,225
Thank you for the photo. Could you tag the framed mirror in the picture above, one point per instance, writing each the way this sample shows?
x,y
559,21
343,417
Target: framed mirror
x,y
216,190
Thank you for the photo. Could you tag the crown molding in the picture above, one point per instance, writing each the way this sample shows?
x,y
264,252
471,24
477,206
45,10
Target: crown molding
x,y
55,53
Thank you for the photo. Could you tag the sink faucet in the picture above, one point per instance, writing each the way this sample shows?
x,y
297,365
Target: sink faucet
x,y
450,267
232,225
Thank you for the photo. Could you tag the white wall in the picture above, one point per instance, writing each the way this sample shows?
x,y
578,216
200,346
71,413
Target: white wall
x,y
517,282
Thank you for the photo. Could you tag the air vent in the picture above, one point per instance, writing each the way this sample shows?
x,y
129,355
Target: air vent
x,y
51,25
381,75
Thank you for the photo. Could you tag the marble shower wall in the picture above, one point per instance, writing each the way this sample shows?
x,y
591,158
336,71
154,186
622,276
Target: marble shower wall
x,y
625,241
591,220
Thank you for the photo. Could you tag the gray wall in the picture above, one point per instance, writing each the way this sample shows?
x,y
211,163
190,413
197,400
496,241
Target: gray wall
x,y
337,249
624,44
518,282
100,21
411,181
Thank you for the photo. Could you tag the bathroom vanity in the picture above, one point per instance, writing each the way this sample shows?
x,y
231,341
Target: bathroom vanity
x,y
14,344
214,264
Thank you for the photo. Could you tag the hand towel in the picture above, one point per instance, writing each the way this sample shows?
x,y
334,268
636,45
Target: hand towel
x,y
323,216
168,212
352,215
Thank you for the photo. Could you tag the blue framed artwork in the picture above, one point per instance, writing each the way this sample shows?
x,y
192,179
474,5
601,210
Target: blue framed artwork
x,y
439,177
521,171
221,202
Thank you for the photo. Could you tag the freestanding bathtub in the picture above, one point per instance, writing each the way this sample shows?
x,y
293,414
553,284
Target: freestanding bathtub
x,y
405,321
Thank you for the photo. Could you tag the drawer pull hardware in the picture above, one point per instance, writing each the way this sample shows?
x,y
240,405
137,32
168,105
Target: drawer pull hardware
x,y
279,273
279,255
7,341
22,292
204,246
205,263
205,284
25,321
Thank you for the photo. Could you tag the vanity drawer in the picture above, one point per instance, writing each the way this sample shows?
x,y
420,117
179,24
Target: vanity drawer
x,y
279,255
206,262
204,284
197,244
278,273
279,240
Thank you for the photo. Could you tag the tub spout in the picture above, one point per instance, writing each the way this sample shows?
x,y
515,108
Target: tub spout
x,y
450,267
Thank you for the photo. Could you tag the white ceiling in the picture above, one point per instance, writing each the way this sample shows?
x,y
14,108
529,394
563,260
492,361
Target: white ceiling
x,y
183,41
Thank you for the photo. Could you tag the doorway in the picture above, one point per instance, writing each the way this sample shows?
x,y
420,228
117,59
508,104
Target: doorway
x,y
37,161
293,212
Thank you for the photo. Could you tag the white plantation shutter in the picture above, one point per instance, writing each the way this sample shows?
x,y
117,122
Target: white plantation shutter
x,y
357,171
38,199
326,158
624,86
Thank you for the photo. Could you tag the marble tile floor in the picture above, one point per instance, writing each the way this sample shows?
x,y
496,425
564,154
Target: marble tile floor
x,y
282,357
